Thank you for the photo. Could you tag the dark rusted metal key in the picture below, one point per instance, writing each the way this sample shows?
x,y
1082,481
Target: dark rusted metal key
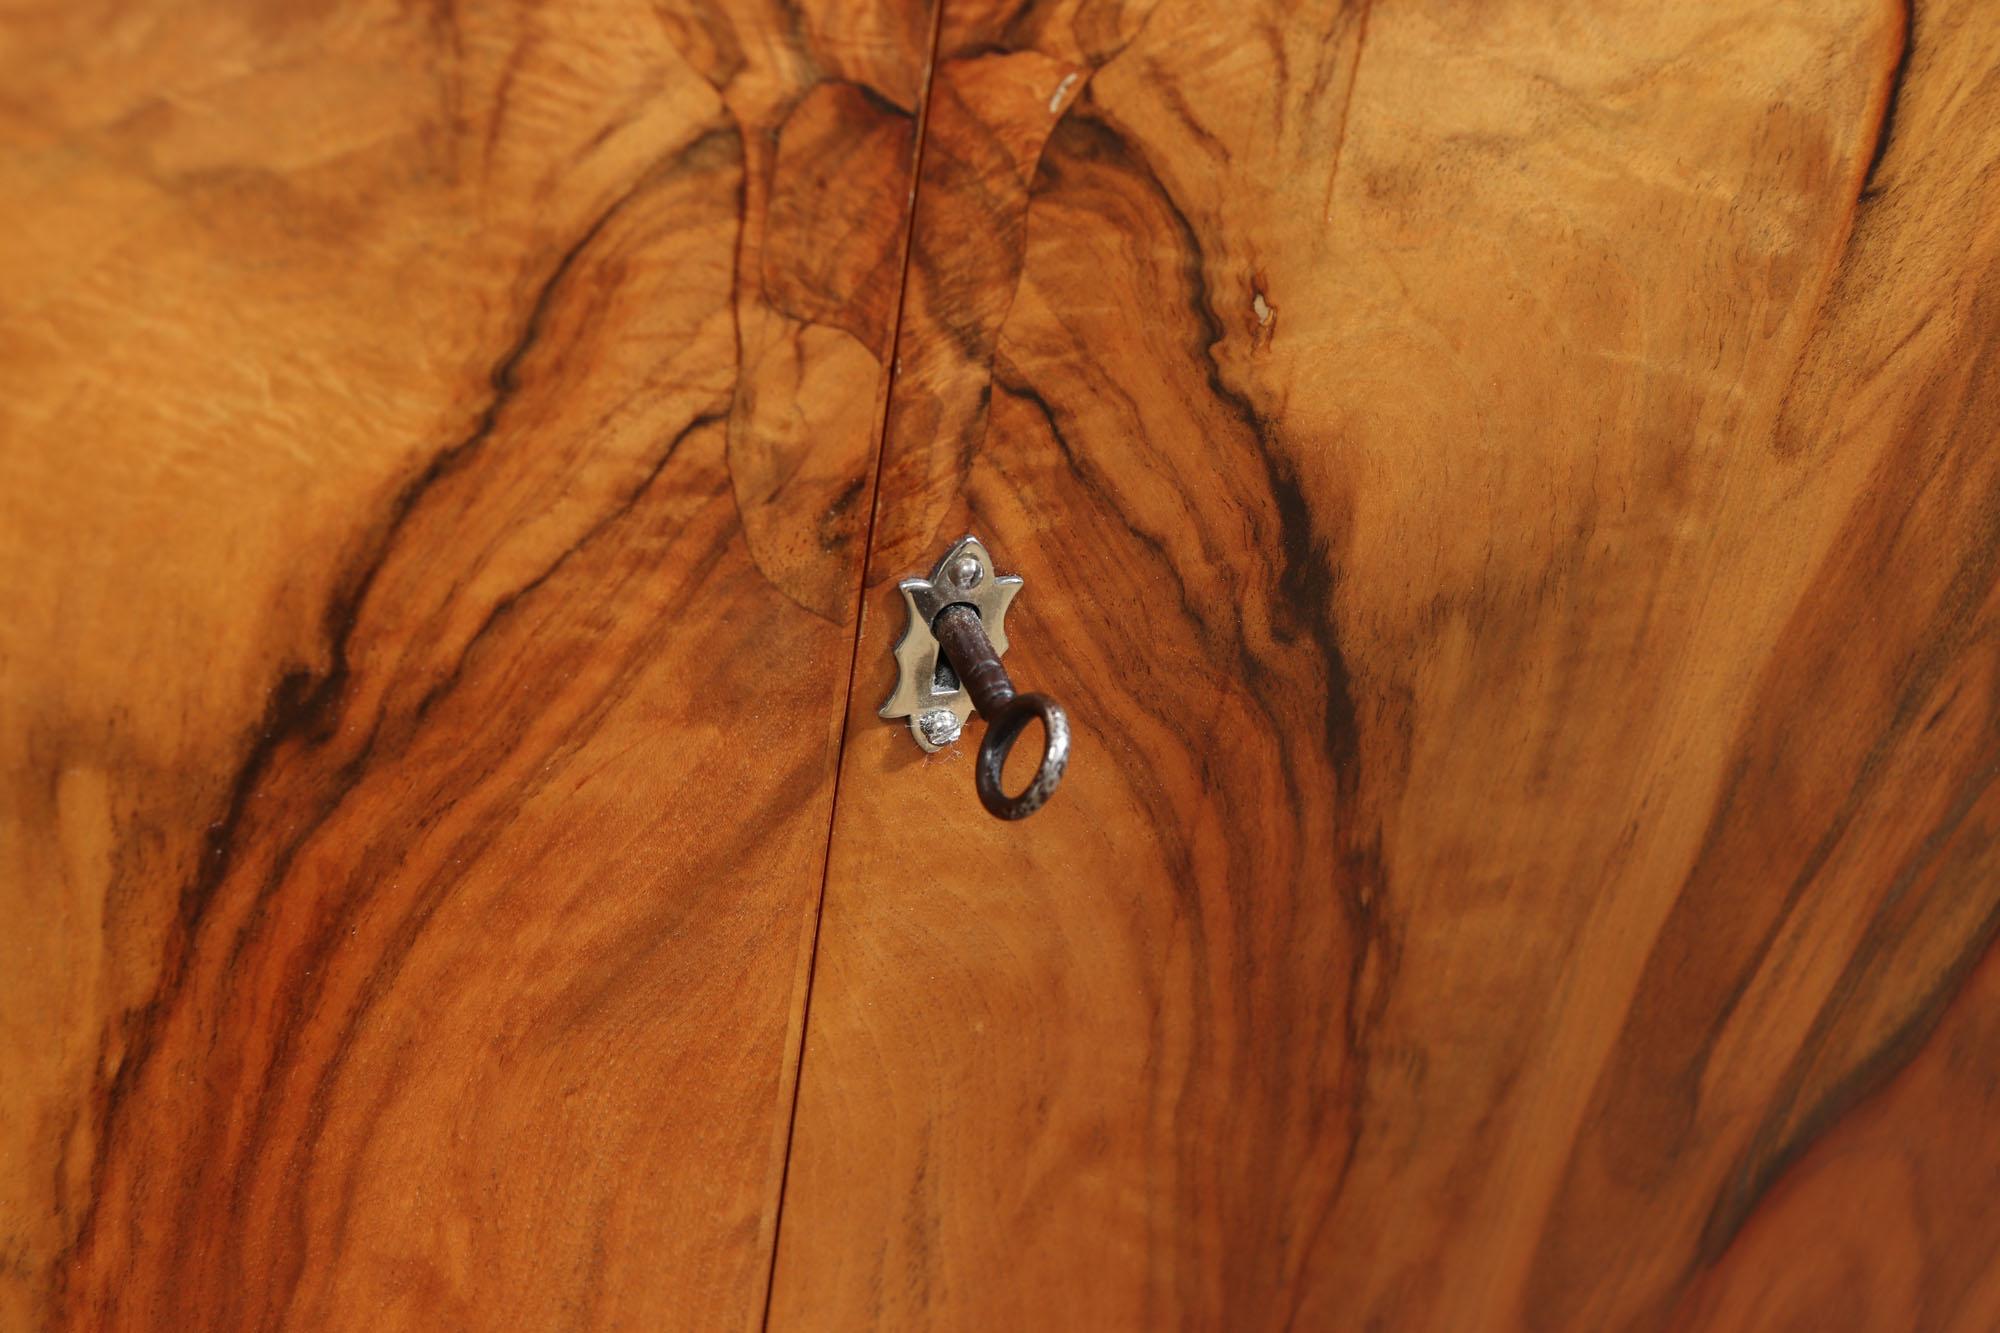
x,y
949,661
963,638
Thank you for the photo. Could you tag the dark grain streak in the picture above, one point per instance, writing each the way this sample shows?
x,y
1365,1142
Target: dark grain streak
x,y
1304,602
436,890
305,1007
301,710
506,605
1944,639
1885,130
1780,1141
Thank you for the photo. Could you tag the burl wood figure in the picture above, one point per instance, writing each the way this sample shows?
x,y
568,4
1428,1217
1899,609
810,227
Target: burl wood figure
x,y
1508,493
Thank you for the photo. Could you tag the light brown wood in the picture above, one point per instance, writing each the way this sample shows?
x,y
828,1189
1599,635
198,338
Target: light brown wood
x,y
434,450
1507,492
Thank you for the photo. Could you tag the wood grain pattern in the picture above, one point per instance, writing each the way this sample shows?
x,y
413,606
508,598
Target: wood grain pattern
x,y
421,430
1887,1221
1507,493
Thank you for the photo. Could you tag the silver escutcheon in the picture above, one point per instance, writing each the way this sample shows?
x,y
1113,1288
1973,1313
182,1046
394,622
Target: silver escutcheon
x,y
928,691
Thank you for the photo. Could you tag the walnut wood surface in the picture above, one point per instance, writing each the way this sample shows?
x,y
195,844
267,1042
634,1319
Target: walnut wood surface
x,y
1507,493
424,433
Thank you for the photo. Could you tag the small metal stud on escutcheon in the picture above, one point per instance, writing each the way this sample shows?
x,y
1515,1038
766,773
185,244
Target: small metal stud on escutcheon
x,y
949,667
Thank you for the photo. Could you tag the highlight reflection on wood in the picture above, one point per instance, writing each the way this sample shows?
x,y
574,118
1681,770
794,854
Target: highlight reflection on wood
x,y
1507,492
421,430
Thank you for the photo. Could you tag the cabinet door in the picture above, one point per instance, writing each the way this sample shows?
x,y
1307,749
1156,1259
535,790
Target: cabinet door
x,y
433,491
1507,492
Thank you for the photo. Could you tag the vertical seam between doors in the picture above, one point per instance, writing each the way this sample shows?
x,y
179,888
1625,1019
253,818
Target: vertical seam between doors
x,y
854,650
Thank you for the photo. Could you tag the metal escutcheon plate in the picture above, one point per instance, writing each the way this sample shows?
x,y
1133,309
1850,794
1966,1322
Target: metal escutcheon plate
x,y
927,690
